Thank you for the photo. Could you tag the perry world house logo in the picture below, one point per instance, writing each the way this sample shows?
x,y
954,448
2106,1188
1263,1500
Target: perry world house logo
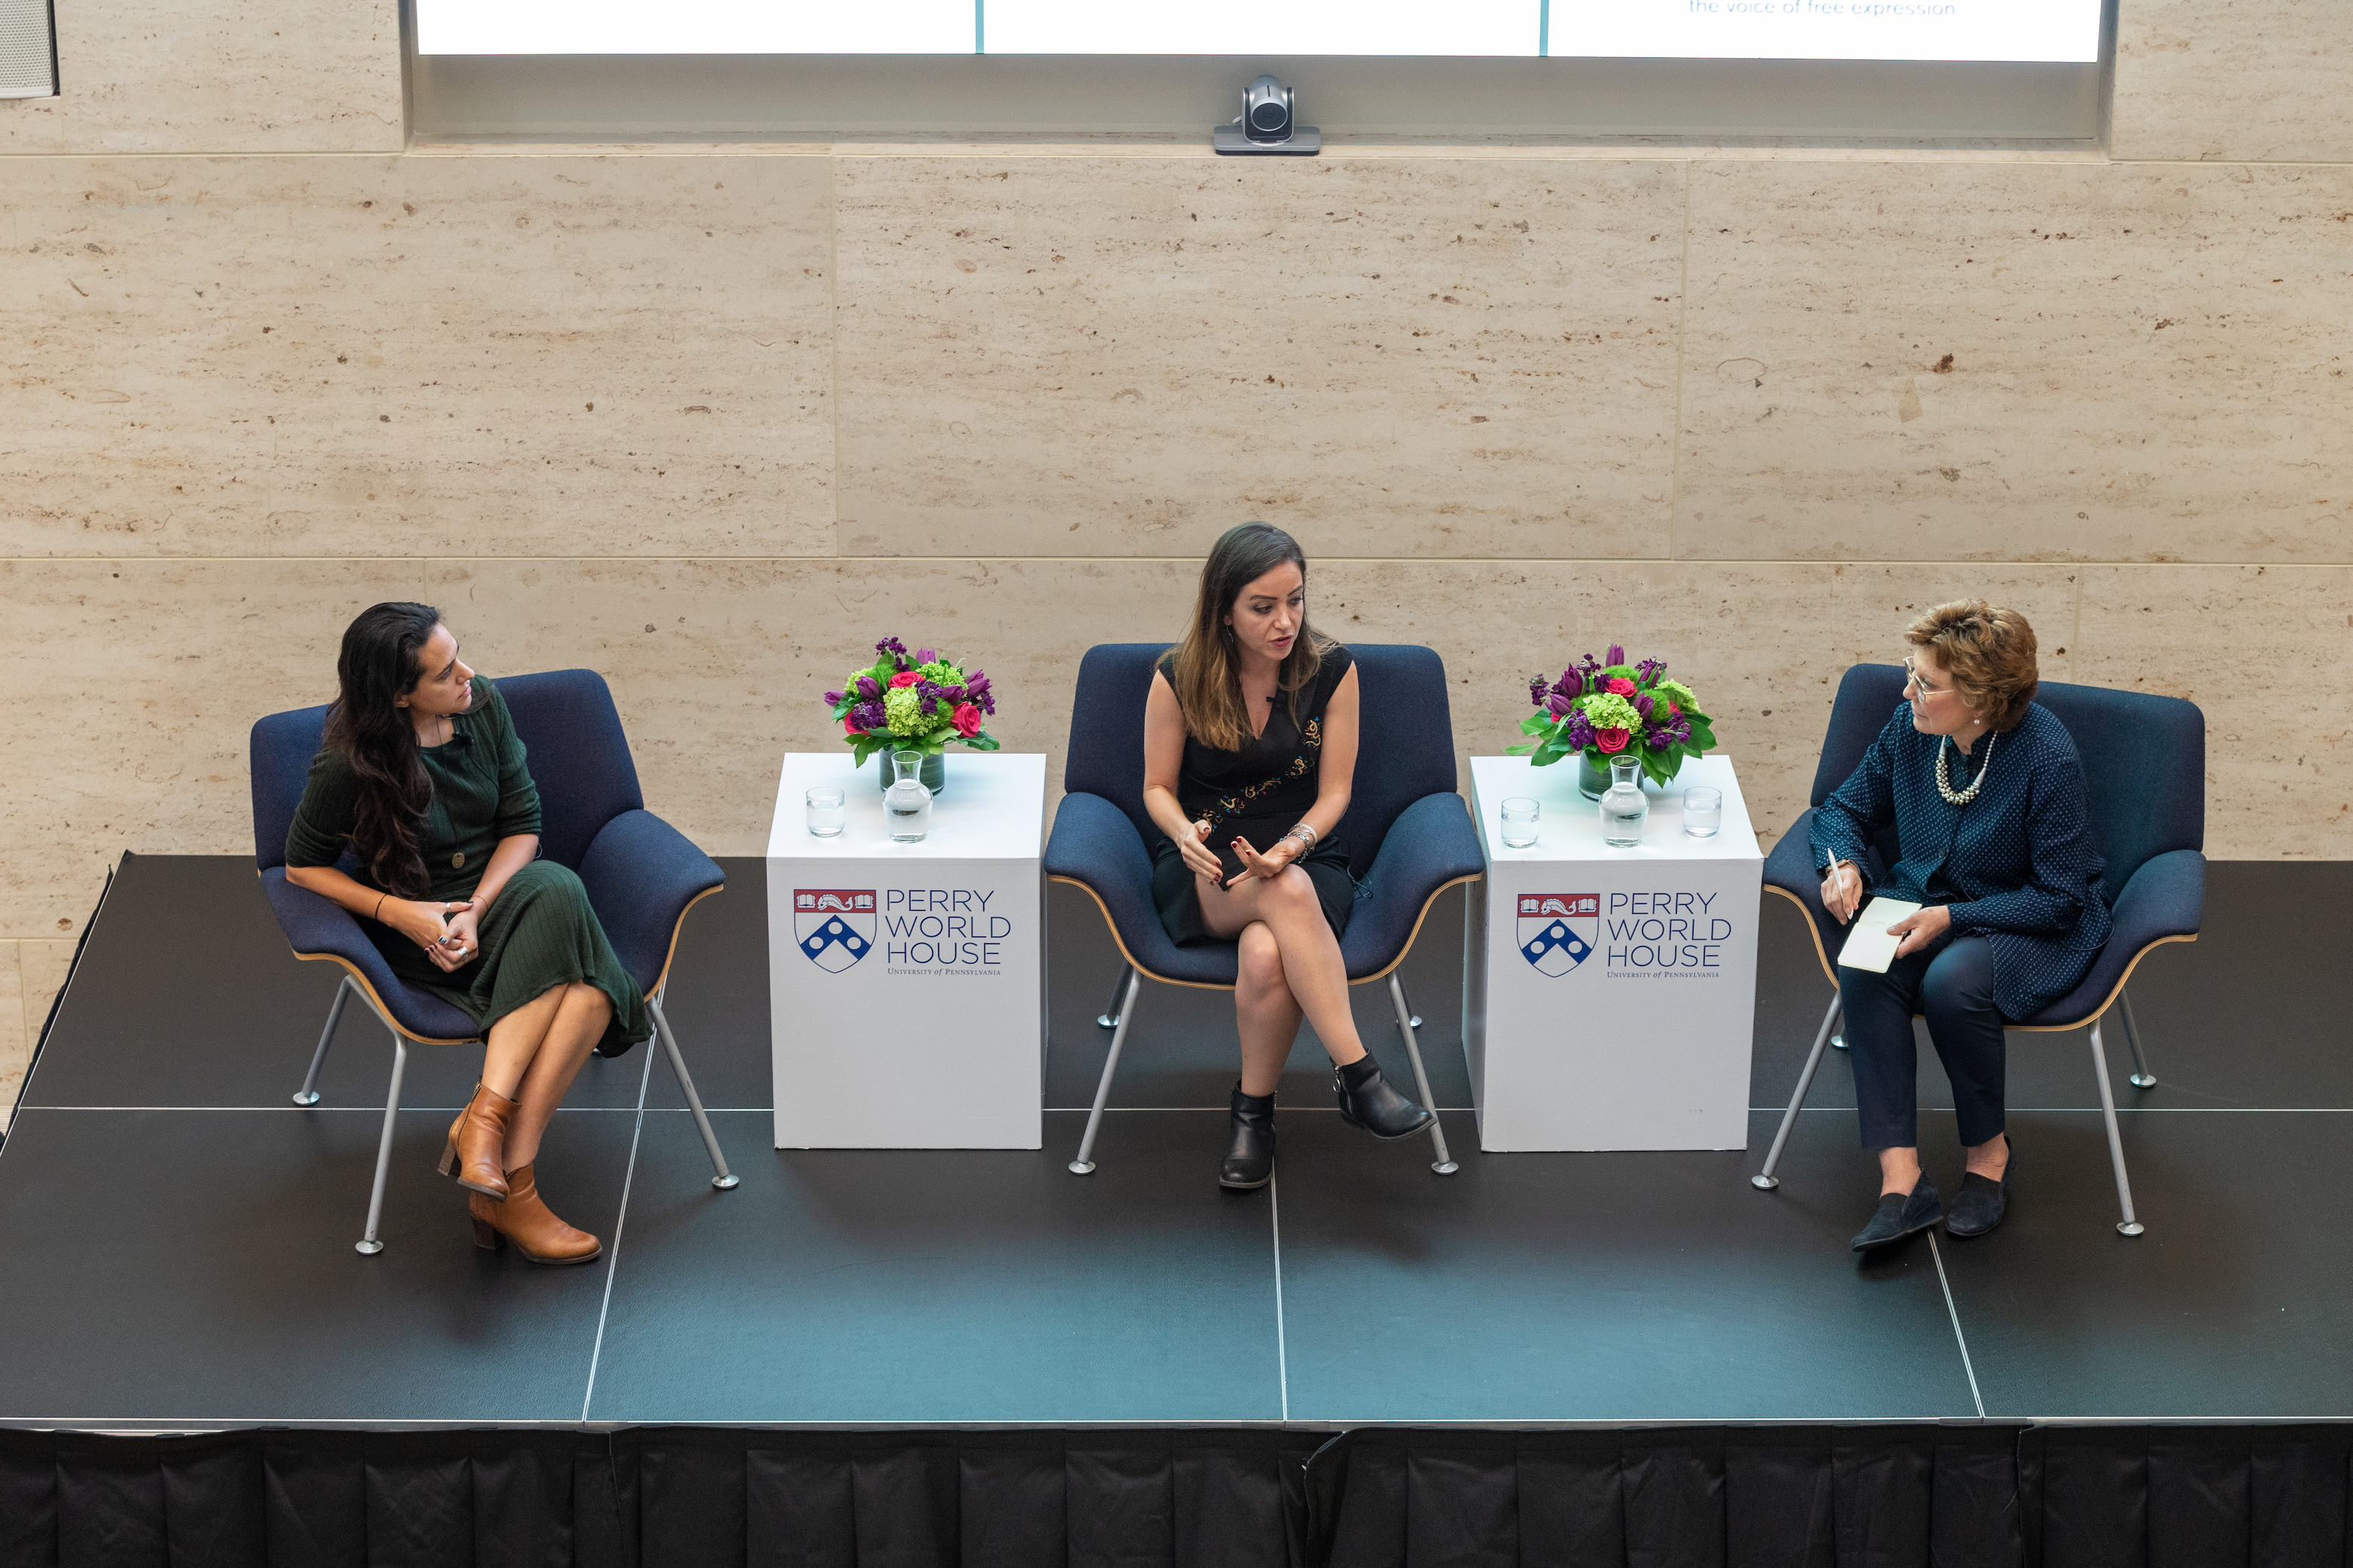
x,y
835,926
1558,930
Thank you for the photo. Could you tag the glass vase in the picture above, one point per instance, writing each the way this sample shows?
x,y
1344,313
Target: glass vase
x,y
1593,778
1624,807
935,771
907,803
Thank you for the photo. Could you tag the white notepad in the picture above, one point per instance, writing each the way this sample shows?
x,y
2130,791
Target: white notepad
x,y
1868,945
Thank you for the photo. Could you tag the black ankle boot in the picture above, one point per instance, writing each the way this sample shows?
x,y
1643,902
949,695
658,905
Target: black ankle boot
x,y
1367,1102
1250,1159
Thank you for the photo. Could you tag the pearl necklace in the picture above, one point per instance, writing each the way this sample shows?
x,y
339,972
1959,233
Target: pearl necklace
x,y
1944,778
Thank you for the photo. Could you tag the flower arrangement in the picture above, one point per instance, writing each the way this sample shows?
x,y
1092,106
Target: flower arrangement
x,y
912,702
1600,709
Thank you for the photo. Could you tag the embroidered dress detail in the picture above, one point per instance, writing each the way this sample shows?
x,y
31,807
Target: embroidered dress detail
x,y
1229,806
1944,778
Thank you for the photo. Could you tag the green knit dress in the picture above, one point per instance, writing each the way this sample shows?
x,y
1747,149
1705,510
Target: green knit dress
x,y
540,933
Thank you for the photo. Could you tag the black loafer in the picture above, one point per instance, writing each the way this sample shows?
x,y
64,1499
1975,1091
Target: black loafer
x,y
1899,1215
1367,1102
1248,1164
1978,1207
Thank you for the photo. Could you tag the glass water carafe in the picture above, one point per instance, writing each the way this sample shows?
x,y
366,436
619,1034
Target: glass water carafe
x,y
907,805
1624,807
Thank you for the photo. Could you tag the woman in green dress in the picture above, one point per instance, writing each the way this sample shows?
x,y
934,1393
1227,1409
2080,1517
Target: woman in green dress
x,y
423,777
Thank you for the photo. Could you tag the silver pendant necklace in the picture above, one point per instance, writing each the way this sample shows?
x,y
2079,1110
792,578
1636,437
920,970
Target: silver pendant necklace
x,y
1944,778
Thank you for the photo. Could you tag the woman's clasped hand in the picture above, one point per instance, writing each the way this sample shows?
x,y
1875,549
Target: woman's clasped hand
x,y
435,927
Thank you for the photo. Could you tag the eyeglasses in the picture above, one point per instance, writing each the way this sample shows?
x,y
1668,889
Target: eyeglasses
x,y
1913,678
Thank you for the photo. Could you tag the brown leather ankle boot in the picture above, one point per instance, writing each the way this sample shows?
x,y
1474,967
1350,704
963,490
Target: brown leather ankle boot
x,y
477,1143
527,1222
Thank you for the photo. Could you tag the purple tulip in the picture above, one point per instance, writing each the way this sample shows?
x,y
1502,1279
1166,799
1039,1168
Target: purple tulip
x,y
1642,704
1617,655
833,699
1557,706
869,688
925,656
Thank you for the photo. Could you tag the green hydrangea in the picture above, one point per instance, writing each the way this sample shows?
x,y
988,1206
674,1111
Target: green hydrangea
x,y
905,704
1610,712
1676,692
940,672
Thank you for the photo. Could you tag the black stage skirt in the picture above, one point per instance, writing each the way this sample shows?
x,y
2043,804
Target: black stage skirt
x,y
1178,899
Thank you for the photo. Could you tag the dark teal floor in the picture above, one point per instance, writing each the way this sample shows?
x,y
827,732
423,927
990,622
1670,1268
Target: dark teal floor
x,y
175,1239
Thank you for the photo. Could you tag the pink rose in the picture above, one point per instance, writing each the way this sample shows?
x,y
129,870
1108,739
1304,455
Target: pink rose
x,y
1611,741
909,678
967,720
849,727
1622,686
1673,712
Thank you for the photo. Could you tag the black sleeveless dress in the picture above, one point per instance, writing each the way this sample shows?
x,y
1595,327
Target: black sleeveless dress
x,y
1258,793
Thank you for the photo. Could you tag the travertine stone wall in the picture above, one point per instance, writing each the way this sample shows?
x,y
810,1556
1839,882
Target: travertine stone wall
x,y
2234,80
711,420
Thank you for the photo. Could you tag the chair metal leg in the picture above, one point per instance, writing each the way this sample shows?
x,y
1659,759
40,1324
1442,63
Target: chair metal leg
x,y
2142,1077
1416,1018
1444,1165
1110,1016
1123,1009
2129,1224
1764,1181
368,1245
309,1093
722,1178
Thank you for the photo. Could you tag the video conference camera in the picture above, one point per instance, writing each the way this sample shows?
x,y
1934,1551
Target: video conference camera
x,y
1266,126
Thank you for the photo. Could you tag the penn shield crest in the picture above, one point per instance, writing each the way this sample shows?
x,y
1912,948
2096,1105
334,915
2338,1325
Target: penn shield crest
x,y
1558,930
834,926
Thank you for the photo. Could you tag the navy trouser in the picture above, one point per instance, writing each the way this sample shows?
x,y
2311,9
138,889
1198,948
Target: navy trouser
x,y
1953,985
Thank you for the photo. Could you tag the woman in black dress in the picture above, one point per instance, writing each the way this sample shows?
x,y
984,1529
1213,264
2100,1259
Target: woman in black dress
x,y
1249,752
423,775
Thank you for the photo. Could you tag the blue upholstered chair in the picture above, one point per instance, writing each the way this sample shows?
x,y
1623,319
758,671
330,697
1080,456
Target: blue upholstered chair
x,y
641,874
1408,835
2144,773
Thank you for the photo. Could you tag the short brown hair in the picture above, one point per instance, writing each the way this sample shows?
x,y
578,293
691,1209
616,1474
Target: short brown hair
x,y
1988,652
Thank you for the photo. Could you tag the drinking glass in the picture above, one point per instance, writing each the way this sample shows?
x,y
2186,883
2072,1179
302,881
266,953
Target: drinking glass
x,y
1520,821
825,817
1702,811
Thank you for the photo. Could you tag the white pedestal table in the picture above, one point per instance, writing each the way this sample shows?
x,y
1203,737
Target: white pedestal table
x,y
1610,995
906,981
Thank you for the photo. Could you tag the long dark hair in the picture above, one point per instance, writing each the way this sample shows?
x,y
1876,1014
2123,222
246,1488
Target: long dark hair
x,y
378,663
1209,672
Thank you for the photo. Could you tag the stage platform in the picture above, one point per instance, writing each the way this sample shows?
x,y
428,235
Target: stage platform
x,y
176,1237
